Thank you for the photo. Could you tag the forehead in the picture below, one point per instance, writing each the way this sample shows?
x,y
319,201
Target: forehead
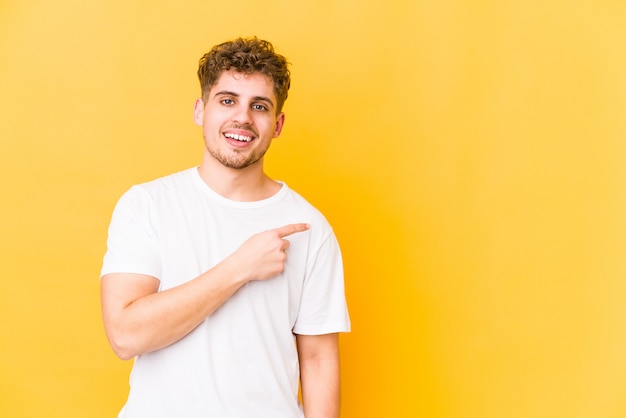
x,y
255,84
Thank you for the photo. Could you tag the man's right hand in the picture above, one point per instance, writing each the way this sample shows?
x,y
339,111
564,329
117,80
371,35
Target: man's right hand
x,y
263,255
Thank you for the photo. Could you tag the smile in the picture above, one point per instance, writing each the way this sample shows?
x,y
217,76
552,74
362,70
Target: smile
x,y
241,138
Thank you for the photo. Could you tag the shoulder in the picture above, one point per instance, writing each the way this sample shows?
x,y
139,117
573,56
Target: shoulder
x,y
306,210
181,179
298,201
145,197
171,183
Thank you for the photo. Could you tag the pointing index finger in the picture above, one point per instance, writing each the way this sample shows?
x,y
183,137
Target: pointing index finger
x,y
287,230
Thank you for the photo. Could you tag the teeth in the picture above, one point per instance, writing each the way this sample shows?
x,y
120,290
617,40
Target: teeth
x,y
239,137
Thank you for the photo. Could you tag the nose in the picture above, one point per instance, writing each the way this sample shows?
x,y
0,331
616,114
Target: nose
x,y
242,114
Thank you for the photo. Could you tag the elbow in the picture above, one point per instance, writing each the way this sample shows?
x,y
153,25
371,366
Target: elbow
x,y
122,346
123,353
126,341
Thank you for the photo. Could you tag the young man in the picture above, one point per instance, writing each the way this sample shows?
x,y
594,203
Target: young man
x,y
225,285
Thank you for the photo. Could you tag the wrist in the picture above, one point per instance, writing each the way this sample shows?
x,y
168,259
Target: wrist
x,y
233,271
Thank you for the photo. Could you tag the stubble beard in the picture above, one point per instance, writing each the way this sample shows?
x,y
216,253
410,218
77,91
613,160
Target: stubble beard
x,y
236,159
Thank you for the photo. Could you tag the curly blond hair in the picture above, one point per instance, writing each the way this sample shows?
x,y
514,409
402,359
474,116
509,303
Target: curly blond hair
x,y
247,56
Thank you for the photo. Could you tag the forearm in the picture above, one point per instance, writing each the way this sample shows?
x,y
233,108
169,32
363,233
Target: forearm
x,y
158,319
139,319
320,380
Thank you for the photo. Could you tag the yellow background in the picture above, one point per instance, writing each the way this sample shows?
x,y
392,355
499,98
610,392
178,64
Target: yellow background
x,y
470,155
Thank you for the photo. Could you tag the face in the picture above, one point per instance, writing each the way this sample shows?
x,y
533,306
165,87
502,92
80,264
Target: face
x,y
239,119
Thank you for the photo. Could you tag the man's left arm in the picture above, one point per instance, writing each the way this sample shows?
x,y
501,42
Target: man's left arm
x,y
319,374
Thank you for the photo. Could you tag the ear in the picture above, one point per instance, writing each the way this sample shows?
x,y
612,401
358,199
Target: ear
x,y
280,121
198,112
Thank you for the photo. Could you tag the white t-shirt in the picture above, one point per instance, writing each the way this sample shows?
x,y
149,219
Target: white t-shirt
x,y
242,360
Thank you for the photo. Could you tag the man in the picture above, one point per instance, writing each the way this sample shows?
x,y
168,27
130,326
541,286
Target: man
x,y
225,285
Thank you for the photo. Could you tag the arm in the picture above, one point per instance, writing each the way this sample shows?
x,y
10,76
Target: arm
x,y
319,375
138,319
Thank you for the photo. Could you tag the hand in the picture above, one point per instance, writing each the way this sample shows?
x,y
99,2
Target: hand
x,y
263,255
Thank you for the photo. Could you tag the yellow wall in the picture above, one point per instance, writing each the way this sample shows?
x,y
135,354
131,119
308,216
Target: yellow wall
x,y
470,154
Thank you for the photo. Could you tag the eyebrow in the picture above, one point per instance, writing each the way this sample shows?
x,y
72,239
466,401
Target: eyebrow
x,y
232,93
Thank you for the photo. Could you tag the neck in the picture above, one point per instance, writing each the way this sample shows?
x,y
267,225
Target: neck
x,y
245,185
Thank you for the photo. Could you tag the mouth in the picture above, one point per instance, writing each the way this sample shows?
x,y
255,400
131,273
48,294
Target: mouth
x,y
238,137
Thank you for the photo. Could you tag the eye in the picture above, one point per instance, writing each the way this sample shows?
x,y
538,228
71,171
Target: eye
x,y
259,107
227,102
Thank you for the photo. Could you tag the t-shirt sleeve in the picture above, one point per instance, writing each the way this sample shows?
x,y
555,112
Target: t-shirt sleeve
x,y
323,307
132,244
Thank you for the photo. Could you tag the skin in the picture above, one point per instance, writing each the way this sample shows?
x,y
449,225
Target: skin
x,y
244,105
139,319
